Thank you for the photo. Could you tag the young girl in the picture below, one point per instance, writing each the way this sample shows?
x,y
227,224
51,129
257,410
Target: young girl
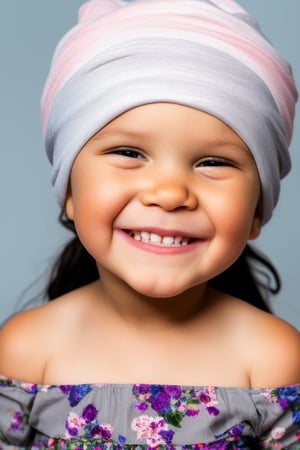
x,y
167,124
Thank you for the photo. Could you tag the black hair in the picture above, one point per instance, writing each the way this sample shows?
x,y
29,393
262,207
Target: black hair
x,y
252,277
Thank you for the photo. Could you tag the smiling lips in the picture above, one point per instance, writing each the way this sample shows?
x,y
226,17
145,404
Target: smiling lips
x,y
162,241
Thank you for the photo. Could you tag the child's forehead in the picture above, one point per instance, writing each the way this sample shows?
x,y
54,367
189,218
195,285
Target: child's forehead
x,y
208,55
160,118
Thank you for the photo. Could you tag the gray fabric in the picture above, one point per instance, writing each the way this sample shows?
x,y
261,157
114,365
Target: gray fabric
x,y
263,413
173,71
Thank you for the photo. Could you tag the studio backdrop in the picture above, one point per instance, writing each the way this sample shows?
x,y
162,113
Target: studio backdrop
x,y
30,233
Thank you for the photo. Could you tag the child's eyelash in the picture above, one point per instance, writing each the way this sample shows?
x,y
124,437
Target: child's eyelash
x,y
211,161
215,162
127,152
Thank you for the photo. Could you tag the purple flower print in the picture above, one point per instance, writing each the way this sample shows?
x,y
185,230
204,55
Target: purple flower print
x,y
167,435
192,412
105,432
173,403
78,392
161,403
283,403
173,391
65,388
286,397
141,406
237,430
4,382
212,410
71,430
87,426
30,388
142,394
75,392
220,445
204,398
101,431
89,413
18,422
140,389
95,431
74,423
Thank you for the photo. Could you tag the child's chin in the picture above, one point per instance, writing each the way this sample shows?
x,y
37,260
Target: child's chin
x,y
160,290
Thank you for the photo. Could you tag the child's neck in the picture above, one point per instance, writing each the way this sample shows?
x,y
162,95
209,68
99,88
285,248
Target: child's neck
x,y
139,310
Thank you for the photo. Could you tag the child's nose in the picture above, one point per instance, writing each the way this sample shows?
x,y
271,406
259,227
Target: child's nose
x,y
170,195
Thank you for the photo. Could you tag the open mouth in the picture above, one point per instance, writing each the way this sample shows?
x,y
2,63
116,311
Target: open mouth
x,y
162,241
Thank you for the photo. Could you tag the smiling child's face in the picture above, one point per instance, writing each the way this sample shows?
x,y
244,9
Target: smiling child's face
x,y
164,198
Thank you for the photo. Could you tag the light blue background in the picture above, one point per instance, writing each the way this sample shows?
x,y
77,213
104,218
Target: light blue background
x,y
30,235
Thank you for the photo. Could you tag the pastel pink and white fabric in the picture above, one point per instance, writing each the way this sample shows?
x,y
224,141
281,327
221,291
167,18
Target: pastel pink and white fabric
x,y
209,55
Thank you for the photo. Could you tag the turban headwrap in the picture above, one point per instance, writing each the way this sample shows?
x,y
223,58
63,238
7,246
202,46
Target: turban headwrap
x,y
206,54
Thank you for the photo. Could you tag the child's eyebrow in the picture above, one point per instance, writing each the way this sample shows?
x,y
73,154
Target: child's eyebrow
x,y
115,136
116,132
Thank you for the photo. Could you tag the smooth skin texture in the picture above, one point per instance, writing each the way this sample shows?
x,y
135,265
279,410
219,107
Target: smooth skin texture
x,y
173,172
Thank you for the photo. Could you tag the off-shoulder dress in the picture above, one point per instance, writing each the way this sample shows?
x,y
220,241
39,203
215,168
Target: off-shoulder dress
x,y
147,416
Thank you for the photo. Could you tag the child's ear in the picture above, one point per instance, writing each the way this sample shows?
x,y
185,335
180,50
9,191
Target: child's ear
x,y
256,222
255,228
69,204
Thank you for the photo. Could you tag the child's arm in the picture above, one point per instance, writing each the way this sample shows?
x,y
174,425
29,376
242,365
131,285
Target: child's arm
x,y
23,346
275,352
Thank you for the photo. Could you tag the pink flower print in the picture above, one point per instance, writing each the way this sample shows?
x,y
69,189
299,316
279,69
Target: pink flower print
x,y
142,393
277,433
269,395
181,407
74,424
45,388
209,399
204,398
152,429
29,387
51,443
209,396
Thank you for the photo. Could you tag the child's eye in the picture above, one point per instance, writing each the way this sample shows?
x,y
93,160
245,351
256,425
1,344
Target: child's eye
x,y
127,152
215,162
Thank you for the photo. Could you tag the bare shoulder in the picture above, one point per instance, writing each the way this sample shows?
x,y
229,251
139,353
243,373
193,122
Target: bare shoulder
x,y
28,339
21,342
267,347
274,349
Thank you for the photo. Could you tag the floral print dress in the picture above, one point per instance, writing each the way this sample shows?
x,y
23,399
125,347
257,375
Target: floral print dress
x,y
147,416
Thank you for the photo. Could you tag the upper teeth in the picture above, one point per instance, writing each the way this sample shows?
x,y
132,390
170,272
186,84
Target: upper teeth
x,y
156,239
